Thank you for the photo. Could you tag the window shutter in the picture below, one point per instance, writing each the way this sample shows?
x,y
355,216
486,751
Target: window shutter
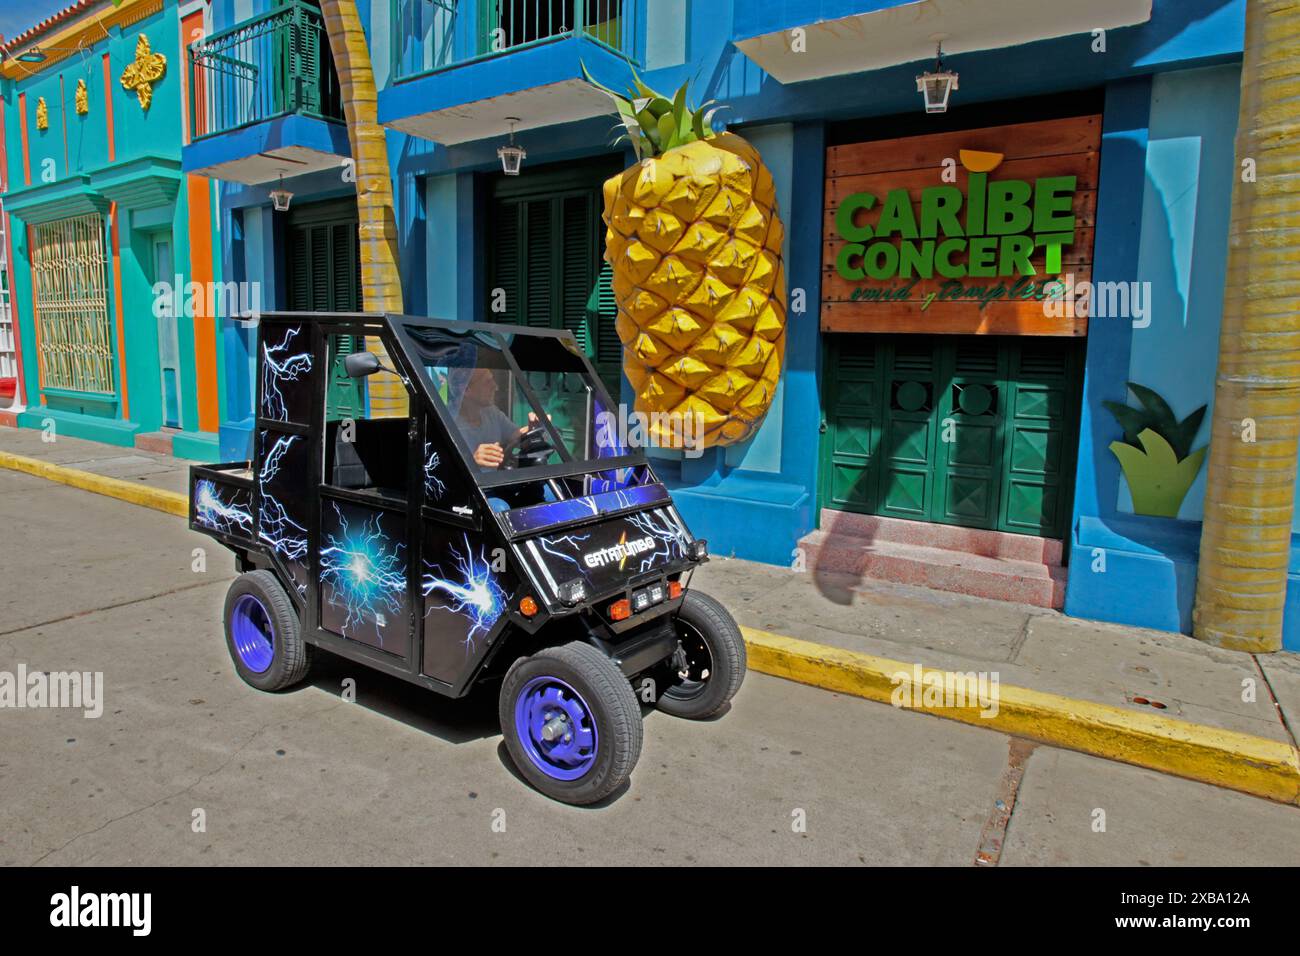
x,y
505,262
538,307
347,268
320,268
606,350
577,267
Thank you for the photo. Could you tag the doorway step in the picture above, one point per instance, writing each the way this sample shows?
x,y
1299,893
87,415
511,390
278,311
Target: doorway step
x,y
989,564
159,442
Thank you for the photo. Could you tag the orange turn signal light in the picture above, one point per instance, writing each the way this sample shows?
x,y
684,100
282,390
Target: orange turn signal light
x,y
527,607
620,610
674,590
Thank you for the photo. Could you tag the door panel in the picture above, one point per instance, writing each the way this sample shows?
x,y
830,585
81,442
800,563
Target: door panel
x,y
169,355
908,430
1044,386
364,567
969,459
967,430
852,426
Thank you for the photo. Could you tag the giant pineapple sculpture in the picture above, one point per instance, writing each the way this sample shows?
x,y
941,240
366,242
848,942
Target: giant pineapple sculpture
x,y
694,241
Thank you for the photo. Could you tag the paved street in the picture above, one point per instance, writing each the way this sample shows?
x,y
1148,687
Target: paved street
x,y
404,777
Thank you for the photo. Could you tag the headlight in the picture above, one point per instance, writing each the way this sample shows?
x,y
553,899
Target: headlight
x,y
572,593
700,549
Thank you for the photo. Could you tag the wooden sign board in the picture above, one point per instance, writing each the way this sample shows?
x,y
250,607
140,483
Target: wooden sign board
x,y
982,232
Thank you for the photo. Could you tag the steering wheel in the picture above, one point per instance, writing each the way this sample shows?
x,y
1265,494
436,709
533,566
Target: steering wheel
x,y
532,447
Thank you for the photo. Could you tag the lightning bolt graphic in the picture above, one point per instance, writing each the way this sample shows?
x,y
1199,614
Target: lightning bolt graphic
x,y
365,572
219,515
670,538
434,488
471,590
279,367
286,537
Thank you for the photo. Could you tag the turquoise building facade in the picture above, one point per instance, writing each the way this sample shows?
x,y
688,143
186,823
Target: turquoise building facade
x,y
106,234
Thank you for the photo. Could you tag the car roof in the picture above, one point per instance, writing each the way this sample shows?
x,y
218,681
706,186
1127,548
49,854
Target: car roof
x,y
395,318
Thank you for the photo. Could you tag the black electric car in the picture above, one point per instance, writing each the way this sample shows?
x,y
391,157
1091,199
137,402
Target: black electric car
x,y
453,503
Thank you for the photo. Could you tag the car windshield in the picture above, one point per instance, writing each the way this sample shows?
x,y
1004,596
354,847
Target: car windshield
x,y
490,405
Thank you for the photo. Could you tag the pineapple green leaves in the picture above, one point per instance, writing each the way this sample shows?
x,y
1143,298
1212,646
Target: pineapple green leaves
x,y
1156,414
1156,454
655,124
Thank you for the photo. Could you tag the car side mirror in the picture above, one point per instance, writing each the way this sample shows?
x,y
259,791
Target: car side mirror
x,y
361,364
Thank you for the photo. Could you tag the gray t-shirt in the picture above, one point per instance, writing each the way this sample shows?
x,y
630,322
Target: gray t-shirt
x,y
494,426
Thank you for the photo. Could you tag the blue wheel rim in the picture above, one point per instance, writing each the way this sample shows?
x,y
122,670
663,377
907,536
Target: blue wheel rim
x,y
252,633
550,701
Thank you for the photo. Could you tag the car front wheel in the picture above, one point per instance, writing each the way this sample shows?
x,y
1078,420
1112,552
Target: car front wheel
x,y
571,722
709,665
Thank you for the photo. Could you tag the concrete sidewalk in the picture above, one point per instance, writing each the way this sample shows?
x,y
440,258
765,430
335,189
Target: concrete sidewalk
x,y
1140,670
1154,692
131,464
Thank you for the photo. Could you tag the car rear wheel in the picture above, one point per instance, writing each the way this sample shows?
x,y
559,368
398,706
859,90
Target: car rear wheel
x,y
263,634
709,666
571,722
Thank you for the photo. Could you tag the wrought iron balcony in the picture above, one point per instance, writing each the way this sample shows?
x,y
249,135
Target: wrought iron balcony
x,y
271,66
433,35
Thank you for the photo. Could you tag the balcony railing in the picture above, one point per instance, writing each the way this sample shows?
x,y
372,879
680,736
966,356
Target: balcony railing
x,y
433,35
270,66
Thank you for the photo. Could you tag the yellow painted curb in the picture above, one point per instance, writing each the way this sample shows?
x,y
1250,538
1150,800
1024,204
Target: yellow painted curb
x,y
1225,758
171,502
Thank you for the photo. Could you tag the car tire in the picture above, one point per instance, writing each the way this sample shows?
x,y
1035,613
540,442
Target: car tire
x,y
574,688
263,635
716,660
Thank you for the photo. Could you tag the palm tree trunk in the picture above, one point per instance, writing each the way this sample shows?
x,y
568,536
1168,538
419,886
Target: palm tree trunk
x,y
1246,537
381,282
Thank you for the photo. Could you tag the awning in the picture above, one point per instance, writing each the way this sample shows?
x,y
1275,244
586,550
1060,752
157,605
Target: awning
x,y
906,32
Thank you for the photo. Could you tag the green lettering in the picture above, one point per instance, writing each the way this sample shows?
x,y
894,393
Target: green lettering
x,y
1052,246
939,206
1053,198
1009,210
1015,254
882,260
842,264
844,217
975,188
943,258
983,253
916,259
896,216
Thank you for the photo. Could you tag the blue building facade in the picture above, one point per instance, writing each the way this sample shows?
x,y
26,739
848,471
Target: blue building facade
x,y
458,78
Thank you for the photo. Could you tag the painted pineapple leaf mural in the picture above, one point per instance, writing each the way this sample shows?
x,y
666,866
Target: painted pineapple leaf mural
x,y
1156,453
694,240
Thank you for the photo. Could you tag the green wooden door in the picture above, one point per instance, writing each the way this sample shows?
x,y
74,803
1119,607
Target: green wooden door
x,y
966,430
545,267
324,275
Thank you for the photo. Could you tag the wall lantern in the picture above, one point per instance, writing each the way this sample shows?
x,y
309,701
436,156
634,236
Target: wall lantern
x,y
937,86
33,55
281,197
512,156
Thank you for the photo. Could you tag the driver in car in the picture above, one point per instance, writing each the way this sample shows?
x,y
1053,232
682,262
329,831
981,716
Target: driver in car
x,y
486,428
